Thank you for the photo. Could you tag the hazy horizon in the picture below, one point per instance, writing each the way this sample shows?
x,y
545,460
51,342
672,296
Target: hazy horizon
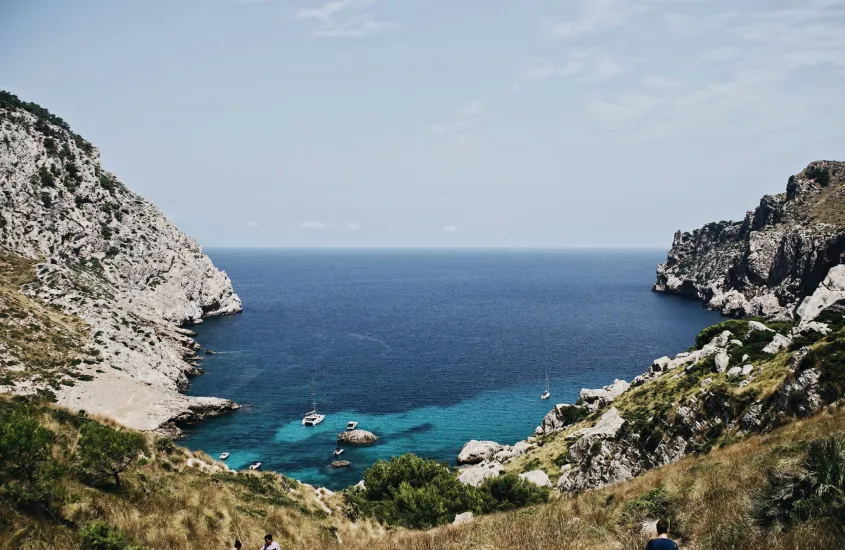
x,y
378,123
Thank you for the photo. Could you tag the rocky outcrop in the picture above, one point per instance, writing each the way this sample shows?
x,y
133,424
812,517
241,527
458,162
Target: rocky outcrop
x,y
767,263
357,437
475,451
109,257
601,398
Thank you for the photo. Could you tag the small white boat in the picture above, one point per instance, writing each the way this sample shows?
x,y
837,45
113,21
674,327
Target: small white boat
x,y
255,466
338,451
224,456
545,395
351,425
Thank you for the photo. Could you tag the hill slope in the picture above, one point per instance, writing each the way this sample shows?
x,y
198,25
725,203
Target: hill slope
x,y
109,257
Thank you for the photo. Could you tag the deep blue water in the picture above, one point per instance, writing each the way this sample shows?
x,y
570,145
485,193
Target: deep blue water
x,y
426,348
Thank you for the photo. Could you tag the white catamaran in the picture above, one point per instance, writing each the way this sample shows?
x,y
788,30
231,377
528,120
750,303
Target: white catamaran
x,y
545,395
313,417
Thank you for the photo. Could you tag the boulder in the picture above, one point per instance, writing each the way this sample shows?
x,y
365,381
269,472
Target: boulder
x,y
340,464
601,398
722,361
475,475
558,418
357,437
746,370
778,343
460,519
733,372
537,477
474,452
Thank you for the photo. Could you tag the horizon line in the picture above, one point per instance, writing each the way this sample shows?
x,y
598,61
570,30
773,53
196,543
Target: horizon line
x,y
443,247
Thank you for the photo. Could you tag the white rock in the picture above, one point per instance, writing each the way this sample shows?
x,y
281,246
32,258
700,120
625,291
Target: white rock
x,y
733,372
746,370
537,477
722,361
476,451
607,427
460,519
475,475
778,343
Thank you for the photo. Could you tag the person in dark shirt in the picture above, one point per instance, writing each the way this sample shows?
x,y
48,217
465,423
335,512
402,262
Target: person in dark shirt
x,y
662,542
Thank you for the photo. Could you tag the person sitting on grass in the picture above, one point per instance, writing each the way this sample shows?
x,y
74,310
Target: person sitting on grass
x,y
662,542
269,544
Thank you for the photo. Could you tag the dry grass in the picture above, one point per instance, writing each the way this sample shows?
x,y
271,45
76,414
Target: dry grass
x,y
829,205
711,496
39,345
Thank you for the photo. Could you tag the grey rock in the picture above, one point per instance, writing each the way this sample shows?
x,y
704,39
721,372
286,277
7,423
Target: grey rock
x,y
357,437
476,474
733,372
778,343
474,452
340,464
746,370
831,291
722,361
461,519
537,477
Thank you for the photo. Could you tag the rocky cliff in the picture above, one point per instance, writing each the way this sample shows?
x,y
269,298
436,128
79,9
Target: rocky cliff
x,y
767,263
111,258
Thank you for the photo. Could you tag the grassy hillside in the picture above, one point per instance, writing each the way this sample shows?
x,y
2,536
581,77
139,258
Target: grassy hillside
x,y
40,346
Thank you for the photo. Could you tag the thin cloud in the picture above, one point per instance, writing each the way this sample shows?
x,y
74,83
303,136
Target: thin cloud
x,y
345,19
450,229
252,223
313,225
468,116
595,16
353,226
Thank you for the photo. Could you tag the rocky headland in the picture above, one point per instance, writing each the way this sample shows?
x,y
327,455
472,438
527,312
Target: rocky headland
x,y
743,376
772,259
102,254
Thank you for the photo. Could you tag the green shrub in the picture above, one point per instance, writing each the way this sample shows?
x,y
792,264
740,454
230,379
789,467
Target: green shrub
x,y
419,493
510,491
655,504
816,491
28,471
106,453
99,535
737,327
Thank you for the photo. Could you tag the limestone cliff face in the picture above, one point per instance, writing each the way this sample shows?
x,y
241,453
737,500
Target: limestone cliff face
x,y
767,263
107,255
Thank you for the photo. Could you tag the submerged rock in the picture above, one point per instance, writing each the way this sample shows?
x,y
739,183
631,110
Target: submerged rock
x,y
340,464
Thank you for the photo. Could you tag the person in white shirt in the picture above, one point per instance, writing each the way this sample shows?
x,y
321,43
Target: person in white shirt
x,y
269,544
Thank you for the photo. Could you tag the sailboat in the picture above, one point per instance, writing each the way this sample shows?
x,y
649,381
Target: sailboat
x,y
313,417
545,395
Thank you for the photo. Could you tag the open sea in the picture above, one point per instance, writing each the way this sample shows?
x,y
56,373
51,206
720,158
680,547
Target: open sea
x,y
426,348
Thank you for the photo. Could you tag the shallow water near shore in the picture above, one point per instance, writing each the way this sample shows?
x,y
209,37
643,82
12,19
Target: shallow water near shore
x,y
425,348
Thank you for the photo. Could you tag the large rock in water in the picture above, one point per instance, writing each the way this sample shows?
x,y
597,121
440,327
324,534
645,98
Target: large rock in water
x,y
356,437
475,451
111,258
767,263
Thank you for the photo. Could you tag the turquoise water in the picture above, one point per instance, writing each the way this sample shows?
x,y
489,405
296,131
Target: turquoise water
x,y
425,348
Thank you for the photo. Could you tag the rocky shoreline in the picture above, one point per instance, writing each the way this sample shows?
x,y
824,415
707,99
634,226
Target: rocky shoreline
x,y
784,263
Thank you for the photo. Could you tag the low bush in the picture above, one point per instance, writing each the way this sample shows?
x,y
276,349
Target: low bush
x,y
99,535
737,327
816,491
419,493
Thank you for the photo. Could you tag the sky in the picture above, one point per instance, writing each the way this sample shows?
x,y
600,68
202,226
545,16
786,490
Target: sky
x,y
530,123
